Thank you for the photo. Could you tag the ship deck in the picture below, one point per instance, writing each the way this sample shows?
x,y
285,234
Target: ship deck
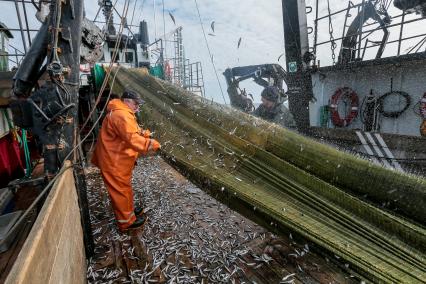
x,y
192,238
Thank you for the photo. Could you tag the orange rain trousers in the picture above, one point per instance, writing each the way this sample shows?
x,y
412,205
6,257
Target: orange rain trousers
x,y
121,194
119,144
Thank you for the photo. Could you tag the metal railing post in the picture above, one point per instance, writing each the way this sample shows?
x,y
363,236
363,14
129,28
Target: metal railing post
x,y
24,42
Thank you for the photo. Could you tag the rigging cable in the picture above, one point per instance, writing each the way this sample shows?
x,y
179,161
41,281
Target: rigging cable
x,y
141,7
109,94
113,57
417,45
164,35
125,10
210,54
155,21
109,16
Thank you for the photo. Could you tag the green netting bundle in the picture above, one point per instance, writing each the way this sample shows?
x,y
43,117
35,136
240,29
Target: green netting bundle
x,y
277,176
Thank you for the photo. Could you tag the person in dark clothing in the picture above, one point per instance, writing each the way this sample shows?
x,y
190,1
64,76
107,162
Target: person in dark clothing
x,y
274,111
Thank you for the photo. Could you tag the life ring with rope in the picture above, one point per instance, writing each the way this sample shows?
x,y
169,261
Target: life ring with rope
x,y
422,106
338,97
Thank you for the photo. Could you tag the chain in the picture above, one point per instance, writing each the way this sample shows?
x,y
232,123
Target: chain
x,y
330,30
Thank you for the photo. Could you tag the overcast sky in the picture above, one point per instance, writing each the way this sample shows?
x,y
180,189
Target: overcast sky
x,y
258,23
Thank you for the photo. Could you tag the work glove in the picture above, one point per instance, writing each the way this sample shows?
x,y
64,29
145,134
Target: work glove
x,y
146,133
423,128
154,146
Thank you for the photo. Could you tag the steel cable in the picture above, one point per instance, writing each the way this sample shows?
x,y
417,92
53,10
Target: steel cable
x,y
210,54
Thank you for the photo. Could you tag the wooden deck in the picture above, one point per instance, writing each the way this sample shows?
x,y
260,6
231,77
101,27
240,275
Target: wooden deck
x,y
54,251
191,238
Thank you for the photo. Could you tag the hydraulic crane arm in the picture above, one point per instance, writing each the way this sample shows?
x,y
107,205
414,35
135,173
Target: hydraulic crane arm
x,y
264,75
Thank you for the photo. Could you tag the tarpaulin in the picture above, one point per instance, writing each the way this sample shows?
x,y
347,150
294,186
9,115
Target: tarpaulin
x,y
11,166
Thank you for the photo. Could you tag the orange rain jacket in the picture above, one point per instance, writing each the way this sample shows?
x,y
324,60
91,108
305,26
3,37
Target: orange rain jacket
x,y
119,143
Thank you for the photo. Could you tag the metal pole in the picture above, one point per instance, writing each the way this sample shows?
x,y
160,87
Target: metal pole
x,y
316,27
396,40
71,19
198,75
14,54
418,45
422,43
375,29
299,81
26,21
164,27
155,21
97,14
365,48
344,25
17,60
190,76
20,26
17,30
26,1
337,12
202,78
163,53
360,28
400,34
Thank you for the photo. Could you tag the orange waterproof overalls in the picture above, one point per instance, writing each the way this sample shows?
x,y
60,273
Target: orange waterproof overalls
x,y
119,143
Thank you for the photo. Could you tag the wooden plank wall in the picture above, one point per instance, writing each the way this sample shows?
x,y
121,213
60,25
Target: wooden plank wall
x,y
54,249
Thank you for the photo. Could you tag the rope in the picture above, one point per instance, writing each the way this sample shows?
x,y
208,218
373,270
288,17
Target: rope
x,y
210,54
125,10
11,127
395,113
23,143
141,7
108,73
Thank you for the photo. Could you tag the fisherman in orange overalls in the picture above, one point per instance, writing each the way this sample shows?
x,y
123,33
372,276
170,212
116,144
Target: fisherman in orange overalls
x,y
119,144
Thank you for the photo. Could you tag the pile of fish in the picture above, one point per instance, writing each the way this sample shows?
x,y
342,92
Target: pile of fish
x,y
191,253
289,182
188,238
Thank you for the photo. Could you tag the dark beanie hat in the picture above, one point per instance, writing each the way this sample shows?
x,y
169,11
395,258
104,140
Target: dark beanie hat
x,y
132,95
271,93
